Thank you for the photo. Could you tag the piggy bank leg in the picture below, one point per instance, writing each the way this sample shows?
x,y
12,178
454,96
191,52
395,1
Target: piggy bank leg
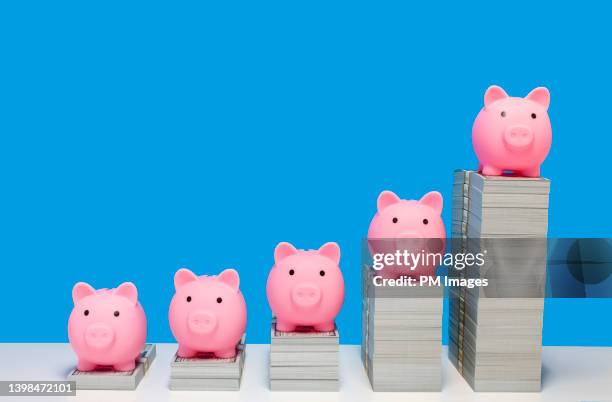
x,y
84,365
489,170
184,351
533,172
126,366
226,354
284,326
325,327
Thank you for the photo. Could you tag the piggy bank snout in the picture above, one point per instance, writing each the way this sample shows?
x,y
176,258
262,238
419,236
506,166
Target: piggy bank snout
x,y
409,234
410,241
518,137
99,336
202,322
306,295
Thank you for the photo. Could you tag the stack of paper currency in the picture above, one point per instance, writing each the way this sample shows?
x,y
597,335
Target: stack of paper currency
x,y
115,380
402,336
495,331
304,360
499,206
207,373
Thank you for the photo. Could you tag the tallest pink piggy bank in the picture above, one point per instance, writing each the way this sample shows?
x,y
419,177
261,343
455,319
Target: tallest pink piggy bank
x,y
305,287
512,134
107,327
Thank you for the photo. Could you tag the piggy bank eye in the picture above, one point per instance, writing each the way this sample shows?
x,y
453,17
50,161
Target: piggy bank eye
x,y
116,314
395,220
219,300
291,272
322,273
503,113
425,221
86,313
188,299
533,115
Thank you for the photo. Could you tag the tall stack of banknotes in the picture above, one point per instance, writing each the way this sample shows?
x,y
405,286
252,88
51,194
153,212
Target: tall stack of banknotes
x,y
401,336
115,380
304,360
207,373
495,331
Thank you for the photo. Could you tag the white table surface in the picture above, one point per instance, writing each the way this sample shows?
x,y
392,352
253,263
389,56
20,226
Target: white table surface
x,y
569,374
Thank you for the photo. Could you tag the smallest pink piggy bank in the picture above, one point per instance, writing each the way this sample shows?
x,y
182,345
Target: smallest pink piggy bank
x,y
305,287
207,313
107,327
512,134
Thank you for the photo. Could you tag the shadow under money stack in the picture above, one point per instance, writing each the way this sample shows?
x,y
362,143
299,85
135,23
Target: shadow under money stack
x,y
115,380
402,336
304,360
495,331
207,372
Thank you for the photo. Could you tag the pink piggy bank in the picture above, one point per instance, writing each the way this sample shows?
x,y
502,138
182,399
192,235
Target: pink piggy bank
x,y
207,313
406,225
305,287
107,327
512,134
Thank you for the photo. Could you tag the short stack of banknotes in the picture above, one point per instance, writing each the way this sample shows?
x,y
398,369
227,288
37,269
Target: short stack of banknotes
x,y
207,372
304,360
402,336
495,331
109,379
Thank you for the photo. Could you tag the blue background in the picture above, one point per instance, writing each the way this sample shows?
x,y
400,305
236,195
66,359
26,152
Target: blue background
x,y
137,139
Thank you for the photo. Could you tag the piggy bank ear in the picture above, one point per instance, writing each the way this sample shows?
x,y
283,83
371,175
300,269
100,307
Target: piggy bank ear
x,y
230,277
330,250
183,276
540,95
494,93
283,250
434,200
81,290
385,199
127,290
